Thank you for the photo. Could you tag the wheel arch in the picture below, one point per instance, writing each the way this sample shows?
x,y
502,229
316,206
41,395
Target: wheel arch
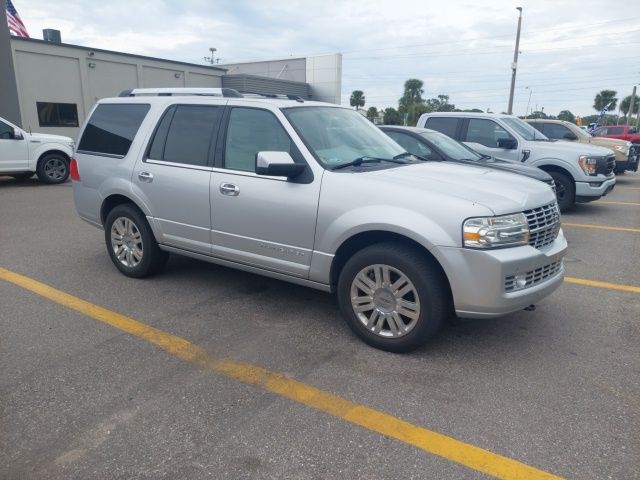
x,y
52,151
365,239
112,201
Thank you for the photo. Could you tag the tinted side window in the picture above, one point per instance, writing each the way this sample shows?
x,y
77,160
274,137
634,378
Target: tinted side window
x,y
615,131
553,130
251,131
112,128
541,127
6,132
185,134
446,125
485,132
410,144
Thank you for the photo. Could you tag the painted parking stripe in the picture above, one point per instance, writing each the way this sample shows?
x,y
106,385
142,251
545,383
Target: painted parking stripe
x,y
427,440
595,283
601,227
609,202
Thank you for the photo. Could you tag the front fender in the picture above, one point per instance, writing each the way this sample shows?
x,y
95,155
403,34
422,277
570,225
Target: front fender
x,y
37,151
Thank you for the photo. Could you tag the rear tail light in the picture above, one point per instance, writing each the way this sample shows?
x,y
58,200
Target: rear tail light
x,y
74,173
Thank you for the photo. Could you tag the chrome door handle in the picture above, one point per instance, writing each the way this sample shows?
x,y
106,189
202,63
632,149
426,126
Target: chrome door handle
x,y
229,189
145,177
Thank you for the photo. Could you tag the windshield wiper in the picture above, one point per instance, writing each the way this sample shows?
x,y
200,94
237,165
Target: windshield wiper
x,y
366,159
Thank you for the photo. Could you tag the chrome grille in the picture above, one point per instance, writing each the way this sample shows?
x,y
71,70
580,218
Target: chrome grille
x,y
605,165
533,277
544,224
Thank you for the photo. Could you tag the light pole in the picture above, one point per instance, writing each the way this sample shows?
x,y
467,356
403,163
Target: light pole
x,y
514,65
526,112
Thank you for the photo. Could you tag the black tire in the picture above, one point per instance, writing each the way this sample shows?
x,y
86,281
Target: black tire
x,y
565,190
22,176
429,284
53,168
153,259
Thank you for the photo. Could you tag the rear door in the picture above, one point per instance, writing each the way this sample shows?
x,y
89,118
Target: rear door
x,y
14,154
482,134
175,172
267,222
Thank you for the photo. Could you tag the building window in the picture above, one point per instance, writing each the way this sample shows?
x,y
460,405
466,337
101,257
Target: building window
x,y
57,114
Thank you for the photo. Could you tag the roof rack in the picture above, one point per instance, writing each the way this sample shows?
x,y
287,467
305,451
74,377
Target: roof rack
x,y
297,98
176,92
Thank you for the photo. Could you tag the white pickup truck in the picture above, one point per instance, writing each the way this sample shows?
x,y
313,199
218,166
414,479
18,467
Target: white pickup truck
x,y
22,154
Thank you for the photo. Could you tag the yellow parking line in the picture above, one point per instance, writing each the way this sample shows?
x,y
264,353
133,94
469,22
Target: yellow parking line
x,y
432,442
601,227
608,202
595,283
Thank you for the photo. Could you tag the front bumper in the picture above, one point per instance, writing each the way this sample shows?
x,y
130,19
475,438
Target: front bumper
x,y
479,279
593,190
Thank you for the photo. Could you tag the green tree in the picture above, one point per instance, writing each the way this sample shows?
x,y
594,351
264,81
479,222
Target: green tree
x,y
372,113
567,116
605,98
538,114
411,99
625,105
440,104
391,116
357,99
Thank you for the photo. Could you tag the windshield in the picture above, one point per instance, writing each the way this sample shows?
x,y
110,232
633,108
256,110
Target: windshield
x,y
338,136
450,147
525,130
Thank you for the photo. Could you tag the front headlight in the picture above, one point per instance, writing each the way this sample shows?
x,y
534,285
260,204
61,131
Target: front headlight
x,y
587,164
495,232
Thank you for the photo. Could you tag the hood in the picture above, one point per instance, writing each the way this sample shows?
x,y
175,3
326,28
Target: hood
x,y
499,191
608,142
569,148
509,166
46,137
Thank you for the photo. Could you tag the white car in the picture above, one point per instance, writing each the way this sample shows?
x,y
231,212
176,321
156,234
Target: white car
x,y
22,154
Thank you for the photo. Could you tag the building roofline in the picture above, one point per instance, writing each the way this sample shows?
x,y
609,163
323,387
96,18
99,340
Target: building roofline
x,y
261,77
113,52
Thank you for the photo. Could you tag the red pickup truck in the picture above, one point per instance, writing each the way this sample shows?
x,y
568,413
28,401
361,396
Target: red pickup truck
x,y
623,132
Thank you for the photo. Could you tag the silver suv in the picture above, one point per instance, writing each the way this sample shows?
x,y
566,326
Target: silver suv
x,y
314,194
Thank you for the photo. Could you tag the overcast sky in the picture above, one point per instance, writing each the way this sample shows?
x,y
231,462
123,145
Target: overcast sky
x,y
570,49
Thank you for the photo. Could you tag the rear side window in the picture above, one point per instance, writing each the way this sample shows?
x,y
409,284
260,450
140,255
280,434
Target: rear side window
x,y
615,131
553,130
112,128
185,134
446,125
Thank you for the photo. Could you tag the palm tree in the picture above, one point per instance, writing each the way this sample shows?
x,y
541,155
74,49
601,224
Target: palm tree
x,y
605,98
357,99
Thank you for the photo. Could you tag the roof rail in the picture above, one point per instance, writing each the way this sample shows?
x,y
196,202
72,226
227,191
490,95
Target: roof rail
x,y
171,92
297,98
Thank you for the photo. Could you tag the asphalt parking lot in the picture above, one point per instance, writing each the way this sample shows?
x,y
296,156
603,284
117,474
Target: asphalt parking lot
x,y
242,375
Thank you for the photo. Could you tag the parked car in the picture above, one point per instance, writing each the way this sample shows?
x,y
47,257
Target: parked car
x,y
621,132
582,173
22,154
626,157
314,194
432,145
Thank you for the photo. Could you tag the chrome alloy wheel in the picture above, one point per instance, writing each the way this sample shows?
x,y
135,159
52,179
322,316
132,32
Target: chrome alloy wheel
x,y
126,242
55,168
385,301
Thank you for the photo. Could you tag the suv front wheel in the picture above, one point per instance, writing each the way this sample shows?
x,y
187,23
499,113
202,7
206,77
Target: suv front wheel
x,y
565,190
130,242
392,296
53,168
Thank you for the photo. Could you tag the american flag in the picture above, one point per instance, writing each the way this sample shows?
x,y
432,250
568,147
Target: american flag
x,y
16,27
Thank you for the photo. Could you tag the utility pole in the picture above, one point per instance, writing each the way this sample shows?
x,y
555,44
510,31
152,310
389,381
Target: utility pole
x,y
514,65
632,104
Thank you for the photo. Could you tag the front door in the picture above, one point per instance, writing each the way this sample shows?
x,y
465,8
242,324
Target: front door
x,y
14,153
267,222
482,135
175,173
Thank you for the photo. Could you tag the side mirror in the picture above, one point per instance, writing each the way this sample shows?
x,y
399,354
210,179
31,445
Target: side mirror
x,y
507,143
570,136
277,164
17,134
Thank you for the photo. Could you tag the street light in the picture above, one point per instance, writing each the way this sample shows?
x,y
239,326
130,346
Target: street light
x,y
514,65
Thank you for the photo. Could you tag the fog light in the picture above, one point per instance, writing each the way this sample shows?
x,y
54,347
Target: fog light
x,y
520,281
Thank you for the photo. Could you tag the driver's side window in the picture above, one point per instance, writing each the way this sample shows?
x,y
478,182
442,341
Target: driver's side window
x,y
486,132
410,144
6,131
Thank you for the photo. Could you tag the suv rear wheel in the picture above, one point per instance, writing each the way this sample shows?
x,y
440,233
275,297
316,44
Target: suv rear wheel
x,y
392,296
130,242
